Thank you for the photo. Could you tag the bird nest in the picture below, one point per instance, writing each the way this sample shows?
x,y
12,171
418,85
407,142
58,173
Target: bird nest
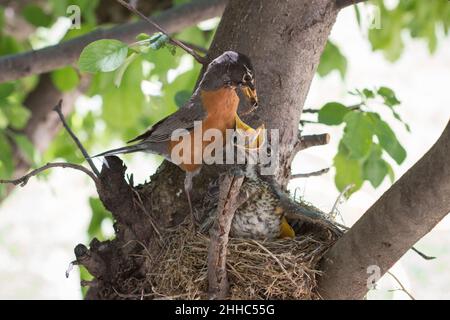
x,y
275,269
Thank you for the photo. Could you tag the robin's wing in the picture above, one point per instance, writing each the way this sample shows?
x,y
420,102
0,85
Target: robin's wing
x,y
184,118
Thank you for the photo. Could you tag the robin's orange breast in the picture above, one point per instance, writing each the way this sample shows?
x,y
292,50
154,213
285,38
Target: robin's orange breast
x,y
221,107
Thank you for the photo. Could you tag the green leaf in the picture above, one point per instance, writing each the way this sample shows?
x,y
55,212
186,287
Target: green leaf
x,y
103,56
2,18
3,120
18,115
120,72
75,33
123,106
142,36
6,159
6,89
9,45
375,168
391,173
36,16
358,15
332,113
357,134
26,146
389,96
368,93
348,171
397,116
387,139
99,213
65,79
332,59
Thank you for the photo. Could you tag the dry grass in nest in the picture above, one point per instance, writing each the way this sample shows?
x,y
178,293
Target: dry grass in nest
x,y
276,269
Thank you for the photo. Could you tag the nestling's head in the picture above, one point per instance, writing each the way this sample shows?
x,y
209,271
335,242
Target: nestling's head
x,y
232,70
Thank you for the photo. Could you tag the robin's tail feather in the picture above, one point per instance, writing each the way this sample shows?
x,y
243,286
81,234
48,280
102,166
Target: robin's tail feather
x,y
123,150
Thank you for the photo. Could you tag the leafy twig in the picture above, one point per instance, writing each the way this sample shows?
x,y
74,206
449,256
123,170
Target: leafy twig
x,y
176,42
57,109
24,180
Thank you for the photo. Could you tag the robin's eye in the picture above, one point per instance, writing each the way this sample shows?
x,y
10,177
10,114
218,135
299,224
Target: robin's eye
x,y
247,78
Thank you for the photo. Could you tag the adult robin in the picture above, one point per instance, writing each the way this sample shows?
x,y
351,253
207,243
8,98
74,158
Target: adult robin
x,y
213,105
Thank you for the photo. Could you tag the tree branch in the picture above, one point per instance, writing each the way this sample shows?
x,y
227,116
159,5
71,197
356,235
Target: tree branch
x,y
305,142
13,67
217,253
402,216
90,259
174,41
341,4
86,156
310,174
24,180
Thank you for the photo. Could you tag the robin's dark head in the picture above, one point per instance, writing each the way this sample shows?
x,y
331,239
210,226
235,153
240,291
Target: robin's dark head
x,y
233,70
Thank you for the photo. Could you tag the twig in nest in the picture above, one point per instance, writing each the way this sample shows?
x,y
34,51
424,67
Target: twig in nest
x,y
176,42
24,180
58,110
217,252
310,174
402,288
276,260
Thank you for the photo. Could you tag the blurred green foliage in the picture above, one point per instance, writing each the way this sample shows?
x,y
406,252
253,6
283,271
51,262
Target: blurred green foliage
x,y
367,145
419,19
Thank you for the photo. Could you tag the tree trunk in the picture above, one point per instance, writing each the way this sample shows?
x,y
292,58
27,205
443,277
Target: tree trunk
x,y
284,40
403,215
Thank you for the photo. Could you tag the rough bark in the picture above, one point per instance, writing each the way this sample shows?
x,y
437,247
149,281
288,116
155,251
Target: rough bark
x,y
285,40
402,216
297,31
294,30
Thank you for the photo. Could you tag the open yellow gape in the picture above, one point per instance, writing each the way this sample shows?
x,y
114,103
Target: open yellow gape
x,y
253,138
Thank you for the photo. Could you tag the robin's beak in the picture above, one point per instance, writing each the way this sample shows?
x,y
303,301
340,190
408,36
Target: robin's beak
x,y
250,92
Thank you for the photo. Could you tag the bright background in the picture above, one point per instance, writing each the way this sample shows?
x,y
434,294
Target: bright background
x,y
41,223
